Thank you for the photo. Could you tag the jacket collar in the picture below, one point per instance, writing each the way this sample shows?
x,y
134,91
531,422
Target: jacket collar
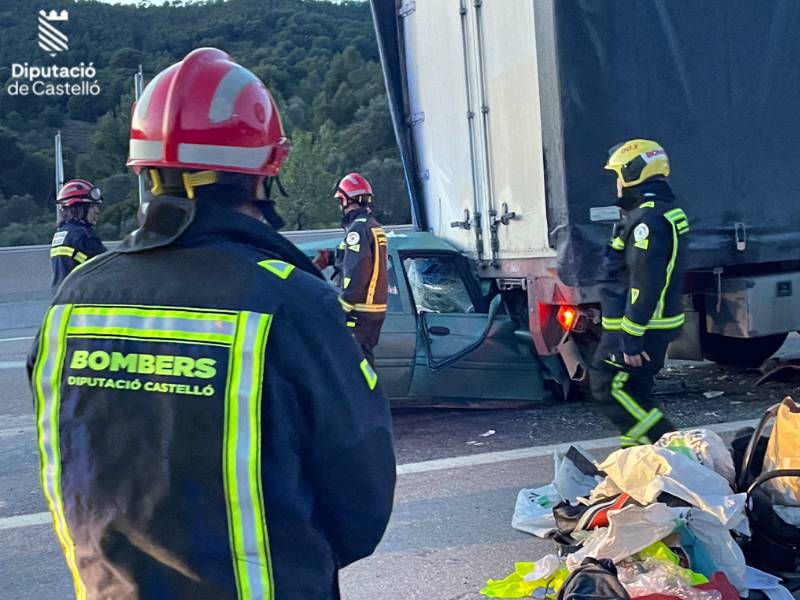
x,y
356,214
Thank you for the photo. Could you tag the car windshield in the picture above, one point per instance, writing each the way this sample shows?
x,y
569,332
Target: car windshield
x,y
437,285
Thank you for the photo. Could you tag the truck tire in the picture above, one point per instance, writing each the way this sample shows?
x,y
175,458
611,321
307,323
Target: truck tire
x,y
740,352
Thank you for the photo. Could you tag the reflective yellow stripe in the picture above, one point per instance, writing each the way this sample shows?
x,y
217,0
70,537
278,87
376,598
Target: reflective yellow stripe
x,y
156,334
643,244
277,267
354,248
612,323
634,295
371,308
649,204
667,323
351,323
156,312
369,374
646,424
376,267
47,391
345,282
624,398
345,305
632,328
80,257
618,243
62,251
244,495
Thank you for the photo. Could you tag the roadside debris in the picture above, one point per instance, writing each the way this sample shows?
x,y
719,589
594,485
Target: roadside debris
x,y
666,521
487,433
713,394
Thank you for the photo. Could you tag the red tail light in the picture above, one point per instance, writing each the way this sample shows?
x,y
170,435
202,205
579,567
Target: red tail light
x,y
566,317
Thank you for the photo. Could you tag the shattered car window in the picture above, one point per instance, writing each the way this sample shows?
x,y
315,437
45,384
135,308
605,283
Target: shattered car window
x,y
437,286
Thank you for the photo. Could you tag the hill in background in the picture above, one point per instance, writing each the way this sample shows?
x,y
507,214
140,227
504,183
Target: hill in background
x,y
319,59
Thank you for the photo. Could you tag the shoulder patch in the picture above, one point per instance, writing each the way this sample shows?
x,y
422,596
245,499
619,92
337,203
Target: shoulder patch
x,y
278,268
59,238
641,232
353,238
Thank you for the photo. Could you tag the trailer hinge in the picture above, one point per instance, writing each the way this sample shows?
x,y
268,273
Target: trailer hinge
x,y
465,224
416,119
505,217
406,8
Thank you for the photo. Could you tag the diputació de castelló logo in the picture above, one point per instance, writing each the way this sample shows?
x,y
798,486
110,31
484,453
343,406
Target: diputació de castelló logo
x,y
53,80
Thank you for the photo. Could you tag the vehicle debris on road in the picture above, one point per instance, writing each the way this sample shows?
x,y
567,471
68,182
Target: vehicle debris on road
x,y
683,518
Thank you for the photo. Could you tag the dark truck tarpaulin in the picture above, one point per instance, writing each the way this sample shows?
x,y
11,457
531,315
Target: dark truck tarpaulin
x,y
715,82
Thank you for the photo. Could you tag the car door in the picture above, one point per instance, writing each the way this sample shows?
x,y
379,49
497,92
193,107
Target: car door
x,y
467,348
396,349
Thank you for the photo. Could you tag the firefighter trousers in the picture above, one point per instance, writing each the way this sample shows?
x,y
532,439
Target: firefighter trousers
x,y
623,393
367,331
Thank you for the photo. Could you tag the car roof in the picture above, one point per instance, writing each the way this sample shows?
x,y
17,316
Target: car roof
x,y
399,241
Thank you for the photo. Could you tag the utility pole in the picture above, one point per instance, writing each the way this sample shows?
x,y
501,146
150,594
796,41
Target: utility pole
x,y
138,89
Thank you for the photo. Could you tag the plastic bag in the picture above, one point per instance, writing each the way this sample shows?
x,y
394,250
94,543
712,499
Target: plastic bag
x,y
533,512
712,548
645,472
630,530
783,452
576,474
704,446
653,576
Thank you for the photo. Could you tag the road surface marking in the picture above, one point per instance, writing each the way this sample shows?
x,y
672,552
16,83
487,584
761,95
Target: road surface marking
x,y
16,339
11,364
441,464
487,458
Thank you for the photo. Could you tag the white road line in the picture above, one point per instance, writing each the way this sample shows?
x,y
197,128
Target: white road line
x,y
11,364
41,518
16,339
487,458
456,462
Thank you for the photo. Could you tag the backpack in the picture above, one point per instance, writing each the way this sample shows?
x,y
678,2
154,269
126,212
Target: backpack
x,y
593,580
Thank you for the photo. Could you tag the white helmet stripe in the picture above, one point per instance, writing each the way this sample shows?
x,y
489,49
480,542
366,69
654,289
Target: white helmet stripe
x,y
146,150
358,192
223,156
227,92
144,101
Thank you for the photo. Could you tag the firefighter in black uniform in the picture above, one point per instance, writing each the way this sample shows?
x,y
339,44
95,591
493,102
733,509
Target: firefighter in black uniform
x,y
360,263
75,240
208,428
642,305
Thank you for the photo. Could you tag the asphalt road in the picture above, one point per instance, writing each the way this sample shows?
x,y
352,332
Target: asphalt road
x,y
450,530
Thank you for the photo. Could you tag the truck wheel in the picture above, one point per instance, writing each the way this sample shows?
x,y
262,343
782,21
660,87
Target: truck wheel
x,y
740,352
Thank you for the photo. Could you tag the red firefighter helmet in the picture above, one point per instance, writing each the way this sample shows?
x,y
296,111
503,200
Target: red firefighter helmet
x,y
207,113
353,187
79,191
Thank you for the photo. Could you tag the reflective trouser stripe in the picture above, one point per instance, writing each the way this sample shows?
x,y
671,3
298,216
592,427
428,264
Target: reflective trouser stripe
x,y
624,398
644,420
646,424
47,392
242,459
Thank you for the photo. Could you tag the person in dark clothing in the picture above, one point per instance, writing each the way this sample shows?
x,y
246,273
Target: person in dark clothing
x,y
75,240
360,263
642,304
208,428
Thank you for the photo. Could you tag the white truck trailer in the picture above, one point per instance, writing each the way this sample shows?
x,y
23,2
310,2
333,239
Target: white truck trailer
x,y
504,111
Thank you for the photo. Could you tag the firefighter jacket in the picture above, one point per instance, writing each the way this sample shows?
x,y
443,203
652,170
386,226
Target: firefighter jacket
x,y
208,428
361,265
644,273
73,244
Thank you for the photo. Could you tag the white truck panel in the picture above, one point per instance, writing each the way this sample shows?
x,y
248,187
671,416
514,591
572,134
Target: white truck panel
x,y
517,165
501,46
436,89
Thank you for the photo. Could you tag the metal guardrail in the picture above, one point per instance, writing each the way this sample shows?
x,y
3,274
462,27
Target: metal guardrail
x,y
25,277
